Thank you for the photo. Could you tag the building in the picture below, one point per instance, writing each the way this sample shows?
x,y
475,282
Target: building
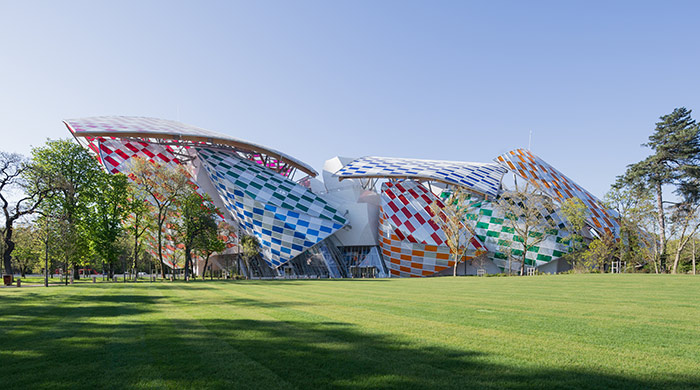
x,y
368,217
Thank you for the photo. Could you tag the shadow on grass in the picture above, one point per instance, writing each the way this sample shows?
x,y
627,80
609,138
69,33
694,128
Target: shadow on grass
x,y
125,341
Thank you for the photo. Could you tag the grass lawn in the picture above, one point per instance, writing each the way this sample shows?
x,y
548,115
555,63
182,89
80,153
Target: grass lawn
x,y
569,331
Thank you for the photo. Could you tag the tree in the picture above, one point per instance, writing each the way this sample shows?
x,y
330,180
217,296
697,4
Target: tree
x,y
28,248
197,219
576,214
685,224
137,222
31,185
108,211
450,215
48,230
210,241
638,223
77,173
675,161
250,247
600,252
526,212
165,183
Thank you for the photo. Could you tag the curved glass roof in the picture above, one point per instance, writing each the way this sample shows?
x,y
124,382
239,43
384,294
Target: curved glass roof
x,y
484,178
162,129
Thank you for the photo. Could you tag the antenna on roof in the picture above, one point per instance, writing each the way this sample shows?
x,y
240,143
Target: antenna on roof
x,y
529,140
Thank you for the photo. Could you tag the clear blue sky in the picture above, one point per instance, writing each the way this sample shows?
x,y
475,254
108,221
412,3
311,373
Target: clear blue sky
x,y
315,79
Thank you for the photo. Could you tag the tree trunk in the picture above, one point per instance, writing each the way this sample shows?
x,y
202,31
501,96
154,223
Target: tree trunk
x,y
454,269
9,247
160,245
136,253
662,227
693,255
188,259
681,245
248,272
676,259
204,272
622,246
46,258
522,262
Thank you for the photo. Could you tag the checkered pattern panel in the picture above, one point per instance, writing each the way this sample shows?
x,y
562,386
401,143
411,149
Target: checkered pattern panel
x,y
478,177
147,126
85,128
498,236
407,206
412,244
286,217
115,152
407,259
554,183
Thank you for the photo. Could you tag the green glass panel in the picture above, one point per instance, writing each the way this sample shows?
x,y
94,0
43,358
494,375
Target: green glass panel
x,y
535,234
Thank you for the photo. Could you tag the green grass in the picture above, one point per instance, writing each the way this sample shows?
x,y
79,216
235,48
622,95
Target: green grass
x,y
569,331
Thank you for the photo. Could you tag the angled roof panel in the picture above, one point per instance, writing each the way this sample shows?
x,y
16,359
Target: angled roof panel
x,y
545,177
143,127
287,217
484,178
